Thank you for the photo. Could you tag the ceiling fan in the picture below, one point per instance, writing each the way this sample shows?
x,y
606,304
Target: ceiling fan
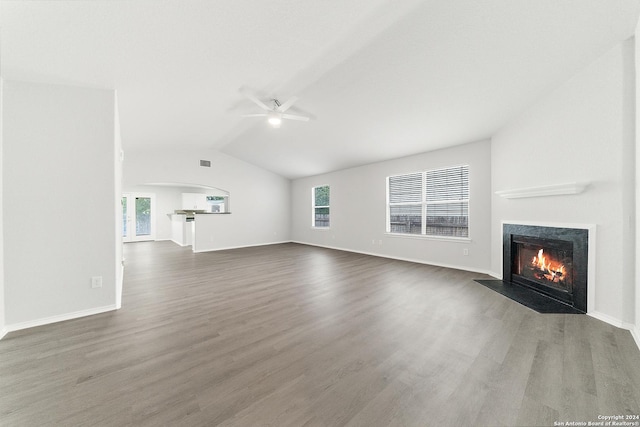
x,y
276,112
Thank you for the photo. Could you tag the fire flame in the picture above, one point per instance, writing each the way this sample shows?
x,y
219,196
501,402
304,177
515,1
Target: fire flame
x,y
551,270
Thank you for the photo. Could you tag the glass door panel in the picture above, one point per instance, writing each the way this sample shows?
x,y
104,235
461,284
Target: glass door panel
x,y
143,216
138,217
124,216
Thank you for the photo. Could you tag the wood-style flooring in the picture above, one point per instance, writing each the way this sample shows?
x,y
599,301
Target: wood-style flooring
x,y
293,335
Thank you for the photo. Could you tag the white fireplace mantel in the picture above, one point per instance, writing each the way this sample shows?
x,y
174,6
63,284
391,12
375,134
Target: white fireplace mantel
x,y
544,190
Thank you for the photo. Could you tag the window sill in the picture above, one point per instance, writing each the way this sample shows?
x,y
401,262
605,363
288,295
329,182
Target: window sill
x,y
437,238
321,228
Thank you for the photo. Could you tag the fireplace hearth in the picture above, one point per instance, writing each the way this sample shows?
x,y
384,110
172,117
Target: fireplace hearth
x,y
550,261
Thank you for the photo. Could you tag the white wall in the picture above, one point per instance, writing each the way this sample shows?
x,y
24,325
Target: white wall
x,y
59,201
636,332
358,210
582,132
167,199
117,153
259,199
2,302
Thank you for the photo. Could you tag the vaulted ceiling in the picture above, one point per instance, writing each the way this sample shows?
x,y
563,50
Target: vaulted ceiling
x,y
380,79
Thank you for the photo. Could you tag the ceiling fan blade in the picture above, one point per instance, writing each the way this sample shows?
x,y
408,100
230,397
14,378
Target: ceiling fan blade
x,y
253,98
254,115
295,117
284,107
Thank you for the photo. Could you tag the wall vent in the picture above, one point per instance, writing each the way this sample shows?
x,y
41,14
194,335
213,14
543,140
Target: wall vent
x,y
205,163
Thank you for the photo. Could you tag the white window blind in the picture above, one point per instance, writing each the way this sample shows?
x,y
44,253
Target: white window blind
x,y
405,188
432,203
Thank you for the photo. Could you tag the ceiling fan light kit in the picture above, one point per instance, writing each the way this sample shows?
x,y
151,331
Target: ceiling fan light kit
x,y
275,120
274,114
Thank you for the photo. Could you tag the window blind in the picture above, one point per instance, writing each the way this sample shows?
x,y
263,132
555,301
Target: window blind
x,y
433,203
405,188
448,184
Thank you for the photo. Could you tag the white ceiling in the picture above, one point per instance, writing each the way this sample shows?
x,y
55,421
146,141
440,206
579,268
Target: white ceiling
x,y
381,79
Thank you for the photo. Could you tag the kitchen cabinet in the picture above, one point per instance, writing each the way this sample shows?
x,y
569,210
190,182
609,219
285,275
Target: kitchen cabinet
x,y
197,201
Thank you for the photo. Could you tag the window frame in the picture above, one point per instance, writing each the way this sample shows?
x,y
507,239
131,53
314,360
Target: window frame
x,y
314,207
423,206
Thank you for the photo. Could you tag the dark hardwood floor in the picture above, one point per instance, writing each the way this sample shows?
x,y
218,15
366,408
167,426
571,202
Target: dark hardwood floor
x,y
293,335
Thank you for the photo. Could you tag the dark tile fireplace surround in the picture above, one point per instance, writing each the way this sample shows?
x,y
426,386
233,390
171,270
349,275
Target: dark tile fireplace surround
x,y
544,268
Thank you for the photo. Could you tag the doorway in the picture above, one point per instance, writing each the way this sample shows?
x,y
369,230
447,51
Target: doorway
x,y
138,217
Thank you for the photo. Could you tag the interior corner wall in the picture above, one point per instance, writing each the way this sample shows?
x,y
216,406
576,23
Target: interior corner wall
x,y
636,331
580,132
59,204
259,199
117,194
2,301
358,210
628,180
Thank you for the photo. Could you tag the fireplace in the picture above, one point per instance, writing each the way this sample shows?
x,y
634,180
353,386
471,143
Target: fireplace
x,y
551,261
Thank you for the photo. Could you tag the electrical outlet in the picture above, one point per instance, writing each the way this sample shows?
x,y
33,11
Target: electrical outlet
x,y
465,252
96,282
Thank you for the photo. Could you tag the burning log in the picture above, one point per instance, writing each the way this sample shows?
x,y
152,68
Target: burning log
x,y
547,269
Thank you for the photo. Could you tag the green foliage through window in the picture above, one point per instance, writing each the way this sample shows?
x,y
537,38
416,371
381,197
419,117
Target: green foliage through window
x,y
321,201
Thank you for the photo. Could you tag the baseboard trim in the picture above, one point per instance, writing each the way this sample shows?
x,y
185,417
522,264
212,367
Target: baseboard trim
x,y
3,332
608,319
495,275
240,247
635,332
58,318
177,243
417,261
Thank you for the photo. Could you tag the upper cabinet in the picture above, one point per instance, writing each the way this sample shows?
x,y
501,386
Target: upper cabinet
x,y
205,202
196,201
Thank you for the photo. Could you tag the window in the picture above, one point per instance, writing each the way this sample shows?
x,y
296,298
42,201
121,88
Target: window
x,y
320,197
431,203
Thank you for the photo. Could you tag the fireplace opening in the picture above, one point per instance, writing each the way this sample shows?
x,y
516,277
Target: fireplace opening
x,y
543,264
550,261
